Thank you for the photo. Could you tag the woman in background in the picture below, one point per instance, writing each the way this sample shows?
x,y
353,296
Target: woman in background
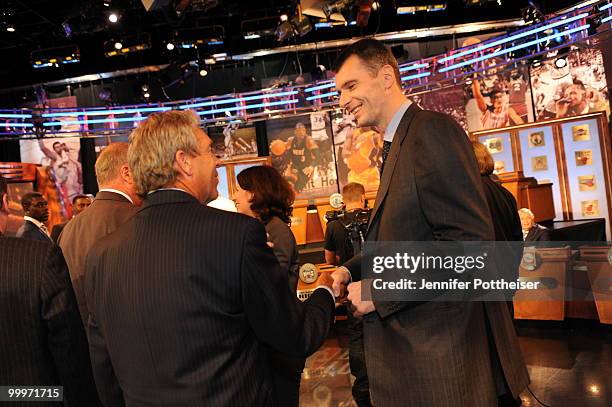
x,y
265,195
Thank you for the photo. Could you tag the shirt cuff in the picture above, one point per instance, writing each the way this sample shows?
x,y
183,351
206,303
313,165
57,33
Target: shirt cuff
x,y
326,288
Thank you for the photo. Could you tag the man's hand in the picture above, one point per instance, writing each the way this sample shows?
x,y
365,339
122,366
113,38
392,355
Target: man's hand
x,y
562,107
361,307
341,278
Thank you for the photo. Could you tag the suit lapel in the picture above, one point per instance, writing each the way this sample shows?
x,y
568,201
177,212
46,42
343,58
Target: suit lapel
x,y
398,139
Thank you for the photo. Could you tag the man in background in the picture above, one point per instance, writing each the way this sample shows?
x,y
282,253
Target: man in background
x,y
79,203
113,206
339,249
338,246
532,232
42,341
184,298
36,211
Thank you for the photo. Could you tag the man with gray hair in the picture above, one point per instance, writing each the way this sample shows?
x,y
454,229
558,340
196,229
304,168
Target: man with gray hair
x,y
183,297
112,207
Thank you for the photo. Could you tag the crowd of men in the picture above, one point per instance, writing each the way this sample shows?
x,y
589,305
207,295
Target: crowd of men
x,y
153,298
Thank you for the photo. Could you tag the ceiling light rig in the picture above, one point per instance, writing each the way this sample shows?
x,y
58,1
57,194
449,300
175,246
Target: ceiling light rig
x,y
6,21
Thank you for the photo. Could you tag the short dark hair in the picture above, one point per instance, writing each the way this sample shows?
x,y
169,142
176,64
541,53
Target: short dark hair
x,y
272,194
373,53
27,199
352,192
57,142
79,196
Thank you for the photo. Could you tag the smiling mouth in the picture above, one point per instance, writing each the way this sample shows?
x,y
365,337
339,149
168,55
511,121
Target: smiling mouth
x,y
355,110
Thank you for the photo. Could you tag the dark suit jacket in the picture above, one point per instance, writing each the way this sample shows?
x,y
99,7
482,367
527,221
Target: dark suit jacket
x,y
57,230
504,213
107,212
434,353
538,234
30,231
285,249
42,341
183,298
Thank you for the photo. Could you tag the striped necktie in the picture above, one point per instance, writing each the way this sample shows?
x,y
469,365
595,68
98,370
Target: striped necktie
x,y
385,154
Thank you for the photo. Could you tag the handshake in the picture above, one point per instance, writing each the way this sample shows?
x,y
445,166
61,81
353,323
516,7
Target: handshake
x,y
340,283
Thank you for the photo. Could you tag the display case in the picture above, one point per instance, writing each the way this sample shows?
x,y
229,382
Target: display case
x,y
572,154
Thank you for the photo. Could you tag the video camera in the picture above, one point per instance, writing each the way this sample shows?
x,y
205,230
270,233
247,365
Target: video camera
x,y
355,222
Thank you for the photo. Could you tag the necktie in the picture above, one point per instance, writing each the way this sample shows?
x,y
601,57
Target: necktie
x,y
385,153
45,230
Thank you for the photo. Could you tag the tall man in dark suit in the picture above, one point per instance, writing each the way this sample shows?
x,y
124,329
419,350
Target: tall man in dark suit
x,y
42,341
183,297
429,353
36,212
113,206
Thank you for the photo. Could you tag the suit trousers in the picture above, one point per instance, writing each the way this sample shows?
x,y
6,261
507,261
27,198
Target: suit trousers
x,y
287,375
361,386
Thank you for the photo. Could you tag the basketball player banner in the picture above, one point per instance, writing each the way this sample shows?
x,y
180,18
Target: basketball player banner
x,y
301,150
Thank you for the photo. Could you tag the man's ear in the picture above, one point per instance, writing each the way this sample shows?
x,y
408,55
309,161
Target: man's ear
x,y
182,163
125,174
388,76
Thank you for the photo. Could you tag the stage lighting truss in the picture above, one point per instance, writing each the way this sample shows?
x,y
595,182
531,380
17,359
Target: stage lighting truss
x,y
409,7
259,28
207,36
55,57
129,45
458,66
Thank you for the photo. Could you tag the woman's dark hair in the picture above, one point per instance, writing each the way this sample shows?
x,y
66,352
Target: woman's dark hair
x,y
272,194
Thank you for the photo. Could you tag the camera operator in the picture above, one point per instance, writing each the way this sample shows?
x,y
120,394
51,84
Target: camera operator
x,y
341,238
338,246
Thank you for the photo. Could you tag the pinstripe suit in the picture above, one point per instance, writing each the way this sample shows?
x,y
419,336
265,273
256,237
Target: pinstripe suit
x,y
182,300
435,354
42,341
30,231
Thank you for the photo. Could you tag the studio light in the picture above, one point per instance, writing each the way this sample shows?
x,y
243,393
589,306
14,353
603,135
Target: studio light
x,y
170,46
113,17
203,72
561,62
54,57
302,25
10,28
126,45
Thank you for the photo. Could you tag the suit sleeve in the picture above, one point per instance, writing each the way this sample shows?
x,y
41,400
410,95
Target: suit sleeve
x,y
448,186
66,336
109,390
448,183
278,318
283,245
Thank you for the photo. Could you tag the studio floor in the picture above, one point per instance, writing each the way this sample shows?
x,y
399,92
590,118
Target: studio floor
x,y
570,364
